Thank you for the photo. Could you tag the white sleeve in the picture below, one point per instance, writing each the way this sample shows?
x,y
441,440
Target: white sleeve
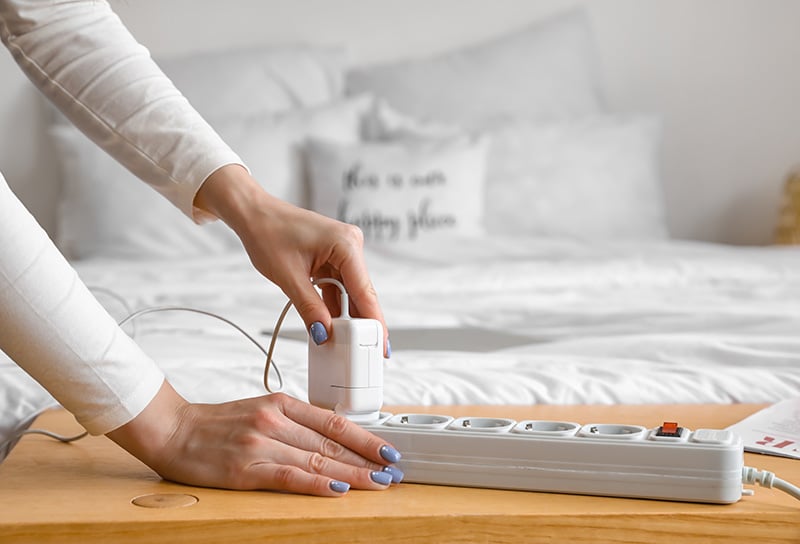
x,y
81,56
53,327
78,53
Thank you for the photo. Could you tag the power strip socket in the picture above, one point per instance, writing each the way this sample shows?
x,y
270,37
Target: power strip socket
x,y
665,463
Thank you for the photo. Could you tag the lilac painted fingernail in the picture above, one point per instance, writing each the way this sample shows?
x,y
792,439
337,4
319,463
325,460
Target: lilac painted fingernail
x,y
339,487
390,454
383,478
318,333
397,474
388,349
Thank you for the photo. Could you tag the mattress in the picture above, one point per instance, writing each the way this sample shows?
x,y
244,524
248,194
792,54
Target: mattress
x,y
485,320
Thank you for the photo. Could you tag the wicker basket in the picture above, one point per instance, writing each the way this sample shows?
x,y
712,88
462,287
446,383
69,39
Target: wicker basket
x,y
788,230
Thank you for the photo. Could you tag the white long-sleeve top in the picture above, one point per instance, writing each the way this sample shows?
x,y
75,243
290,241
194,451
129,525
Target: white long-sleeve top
x,y
79,54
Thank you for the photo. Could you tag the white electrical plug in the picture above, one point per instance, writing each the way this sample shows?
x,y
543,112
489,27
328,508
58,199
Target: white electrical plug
x,y
345,374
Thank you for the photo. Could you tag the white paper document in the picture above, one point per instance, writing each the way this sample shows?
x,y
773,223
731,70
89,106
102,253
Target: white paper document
x,y
775,430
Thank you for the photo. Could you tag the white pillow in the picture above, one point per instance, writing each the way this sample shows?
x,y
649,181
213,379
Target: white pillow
x,y
548,69
384,123
272,144
594,178
402,191
242,82
105,211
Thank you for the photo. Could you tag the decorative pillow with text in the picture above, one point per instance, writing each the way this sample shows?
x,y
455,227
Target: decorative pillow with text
x,y
401,191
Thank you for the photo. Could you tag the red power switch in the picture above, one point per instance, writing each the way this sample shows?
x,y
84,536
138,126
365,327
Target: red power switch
x,y
669,428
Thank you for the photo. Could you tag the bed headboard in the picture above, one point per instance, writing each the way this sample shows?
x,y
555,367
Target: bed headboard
x,y
722,74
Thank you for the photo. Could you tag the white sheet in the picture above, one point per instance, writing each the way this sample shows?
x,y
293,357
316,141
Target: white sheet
x,y
614,323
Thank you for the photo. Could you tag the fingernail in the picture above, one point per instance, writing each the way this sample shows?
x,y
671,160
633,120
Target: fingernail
x,y
390,454
339,487
383,478
388,349
318,333
397,474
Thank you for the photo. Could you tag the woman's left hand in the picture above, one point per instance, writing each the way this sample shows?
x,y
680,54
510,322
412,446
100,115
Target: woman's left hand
x,y
273,442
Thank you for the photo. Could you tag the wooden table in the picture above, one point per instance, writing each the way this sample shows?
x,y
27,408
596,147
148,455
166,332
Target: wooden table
x,y
82,492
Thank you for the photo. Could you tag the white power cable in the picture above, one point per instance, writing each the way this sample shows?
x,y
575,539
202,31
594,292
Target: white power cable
x,y
270,363
268,354
345,312
767,479
345,299
132,316
51,434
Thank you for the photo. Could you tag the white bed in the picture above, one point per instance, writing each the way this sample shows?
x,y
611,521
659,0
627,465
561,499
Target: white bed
x,y
636,323
591,323
559,268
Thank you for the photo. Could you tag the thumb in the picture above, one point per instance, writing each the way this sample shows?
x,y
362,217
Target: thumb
x,y
312,309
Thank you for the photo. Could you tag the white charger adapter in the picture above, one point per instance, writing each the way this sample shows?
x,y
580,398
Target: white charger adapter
x,y
345,374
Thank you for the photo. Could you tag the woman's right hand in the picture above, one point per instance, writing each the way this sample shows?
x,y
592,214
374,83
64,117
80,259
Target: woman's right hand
x,y
292,246
271,442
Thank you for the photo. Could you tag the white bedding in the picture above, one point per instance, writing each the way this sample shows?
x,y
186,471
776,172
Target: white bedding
x,y
603,323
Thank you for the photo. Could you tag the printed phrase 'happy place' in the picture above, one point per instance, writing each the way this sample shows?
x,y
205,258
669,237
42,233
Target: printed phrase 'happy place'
x,y
407,213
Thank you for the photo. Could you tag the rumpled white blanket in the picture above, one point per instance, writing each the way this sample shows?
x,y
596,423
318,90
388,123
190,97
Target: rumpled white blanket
x,y
627,322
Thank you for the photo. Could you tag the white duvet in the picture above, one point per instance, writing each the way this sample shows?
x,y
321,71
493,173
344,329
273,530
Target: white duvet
x,y
589,323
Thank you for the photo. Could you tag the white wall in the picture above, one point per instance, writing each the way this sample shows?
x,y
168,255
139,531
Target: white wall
x,y
723,73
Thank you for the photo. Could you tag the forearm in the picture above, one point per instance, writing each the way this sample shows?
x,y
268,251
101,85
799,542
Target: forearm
x,y
53,327
79,54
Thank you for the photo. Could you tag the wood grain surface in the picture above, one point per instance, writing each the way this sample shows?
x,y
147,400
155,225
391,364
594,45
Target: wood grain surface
x,y
84,492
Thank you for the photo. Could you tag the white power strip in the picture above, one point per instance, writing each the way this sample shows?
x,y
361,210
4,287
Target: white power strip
x,y
667,462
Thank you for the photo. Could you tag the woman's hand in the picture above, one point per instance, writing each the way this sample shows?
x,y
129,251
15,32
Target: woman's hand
x,y
291,246
272,442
